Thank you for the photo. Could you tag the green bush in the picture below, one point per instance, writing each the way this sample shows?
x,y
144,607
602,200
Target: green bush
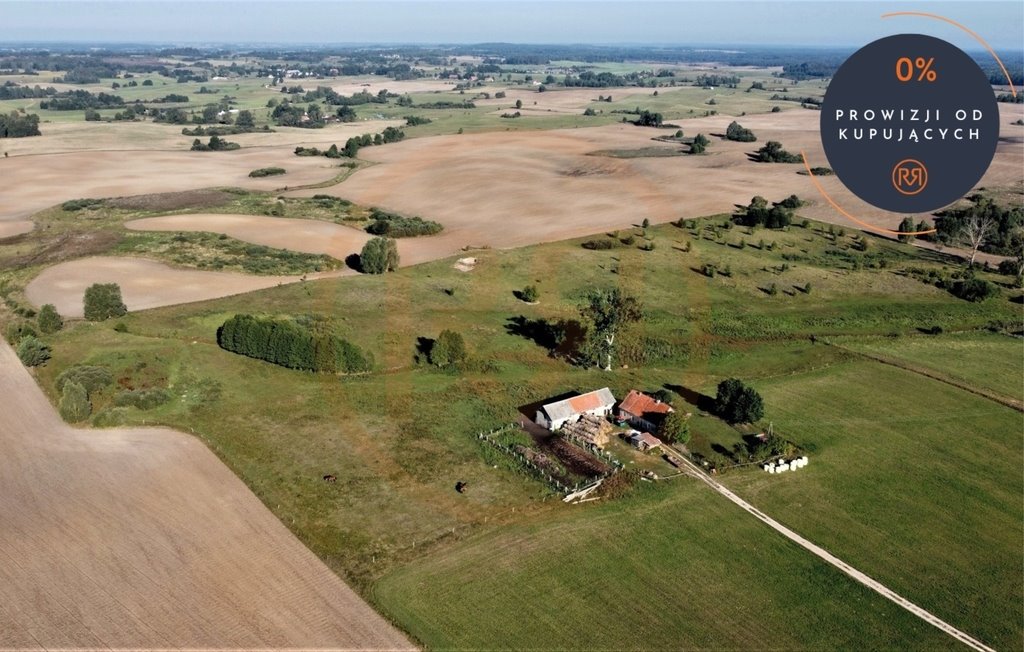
x,y
530,293
92,378
974,289
266,172
32,352
142,399
103,301
598,245
79,204
74,403
399,226
49,319
17,330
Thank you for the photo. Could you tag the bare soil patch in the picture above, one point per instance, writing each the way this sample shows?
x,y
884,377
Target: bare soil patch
x,y
13,228
141,538
144,283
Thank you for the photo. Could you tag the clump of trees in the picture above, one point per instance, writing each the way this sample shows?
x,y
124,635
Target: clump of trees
x,y
738,403
772,152
103,301
648,119
309,347
379,255
739,133
759,213
76,385
448,350
416,120
394,225
700,144
18,125
983,225
216,144
389,135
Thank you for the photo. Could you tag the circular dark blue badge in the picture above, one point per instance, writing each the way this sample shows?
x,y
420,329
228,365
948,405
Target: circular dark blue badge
x,y
909,123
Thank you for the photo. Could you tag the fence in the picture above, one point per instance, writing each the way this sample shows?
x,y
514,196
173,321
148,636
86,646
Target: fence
x,y
552,482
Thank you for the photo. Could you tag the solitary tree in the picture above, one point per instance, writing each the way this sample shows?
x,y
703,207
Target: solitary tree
x,y
519,104
102,301
675,428
49,319
607,312
907,226
74,403
379,255
976,229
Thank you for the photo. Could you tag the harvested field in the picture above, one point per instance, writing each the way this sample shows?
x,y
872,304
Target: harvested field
x,y
566,197
13,228
309,236
144,283
141,538
374,85
134,159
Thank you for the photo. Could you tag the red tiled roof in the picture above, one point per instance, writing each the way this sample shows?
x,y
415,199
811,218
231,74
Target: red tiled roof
x,y
585,402
639,404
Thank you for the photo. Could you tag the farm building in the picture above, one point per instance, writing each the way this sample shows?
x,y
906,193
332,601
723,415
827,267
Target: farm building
x,y
644,441
642,411
555,415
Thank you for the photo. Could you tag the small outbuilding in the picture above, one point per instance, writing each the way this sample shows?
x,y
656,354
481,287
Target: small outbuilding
x,y
644,441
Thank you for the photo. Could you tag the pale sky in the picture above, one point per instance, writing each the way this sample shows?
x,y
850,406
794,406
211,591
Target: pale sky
x,y
796,23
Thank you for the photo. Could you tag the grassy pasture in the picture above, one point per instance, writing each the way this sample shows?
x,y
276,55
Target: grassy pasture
x,y
984,360
399,439
672,567
913,481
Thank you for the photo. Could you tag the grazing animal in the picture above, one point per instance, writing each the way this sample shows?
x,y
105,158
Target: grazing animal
x,y
330,478
461,487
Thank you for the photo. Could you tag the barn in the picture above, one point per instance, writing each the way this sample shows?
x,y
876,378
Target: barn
x,y
555,415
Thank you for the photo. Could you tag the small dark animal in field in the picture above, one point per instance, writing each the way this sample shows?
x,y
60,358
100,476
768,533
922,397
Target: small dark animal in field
x,y
330,478
461,487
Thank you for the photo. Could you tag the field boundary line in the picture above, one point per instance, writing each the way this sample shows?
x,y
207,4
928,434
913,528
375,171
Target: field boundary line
x,y
934,375
831,559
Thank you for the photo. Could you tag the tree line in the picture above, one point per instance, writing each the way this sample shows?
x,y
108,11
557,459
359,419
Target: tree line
x,y
287,343
18,125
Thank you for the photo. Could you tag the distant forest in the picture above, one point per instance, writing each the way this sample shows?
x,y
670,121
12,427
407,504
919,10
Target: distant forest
x,y
77,63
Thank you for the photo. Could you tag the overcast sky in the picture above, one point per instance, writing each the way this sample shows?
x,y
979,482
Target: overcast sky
x,y
428,21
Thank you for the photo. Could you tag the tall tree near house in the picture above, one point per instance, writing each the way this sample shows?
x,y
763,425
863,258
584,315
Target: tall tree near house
x,y
607,312
975,230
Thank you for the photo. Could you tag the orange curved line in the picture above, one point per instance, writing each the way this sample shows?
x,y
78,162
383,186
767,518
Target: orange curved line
x,y
839,208
956,24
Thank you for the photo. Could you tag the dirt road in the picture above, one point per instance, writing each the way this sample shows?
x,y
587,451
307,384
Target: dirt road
x,y
141,538
829,558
